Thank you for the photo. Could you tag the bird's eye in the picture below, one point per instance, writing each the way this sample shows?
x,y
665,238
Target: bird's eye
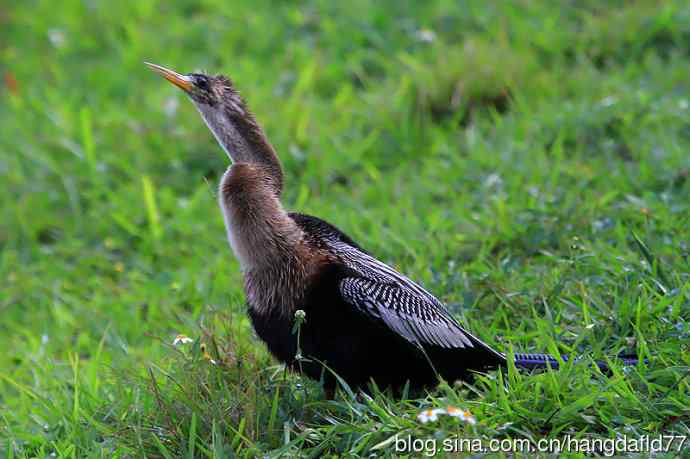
x,y
202,84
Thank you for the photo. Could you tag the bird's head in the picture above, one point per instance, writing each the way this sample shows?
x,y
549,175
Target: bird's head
x,y
227,116
210,92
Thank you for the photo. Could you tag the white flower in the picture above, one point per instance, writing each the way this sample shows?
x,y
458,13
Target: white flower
x,y
430,415
425,35
56,37
182,339
463,415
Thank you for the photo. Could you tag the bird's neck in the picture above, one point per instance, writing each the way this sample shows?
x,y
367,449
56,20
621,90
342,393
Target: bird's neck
x,y
261,233
243,140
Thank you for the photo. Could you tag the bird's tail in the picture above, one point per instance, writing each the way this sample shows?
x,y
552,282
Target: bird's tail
x,y
543,361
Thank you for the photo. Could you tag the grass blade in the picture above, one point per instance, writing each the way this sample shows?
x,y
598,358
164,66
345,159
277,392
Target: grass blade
x,y
151,208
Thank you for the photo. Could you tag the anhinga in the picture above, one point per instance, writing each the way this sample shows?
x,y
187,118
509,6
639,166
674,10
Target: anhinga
x,y
364,320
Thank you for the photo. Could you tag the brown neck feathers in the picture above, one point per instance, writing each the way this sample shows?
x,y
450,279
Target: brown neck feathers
x,y
259,229
237,131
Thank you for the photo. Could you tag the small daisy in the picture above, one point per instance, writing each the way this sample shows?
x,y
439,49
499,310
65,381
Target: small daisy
x,y
300,314
425,35
463,415
182,339
430,415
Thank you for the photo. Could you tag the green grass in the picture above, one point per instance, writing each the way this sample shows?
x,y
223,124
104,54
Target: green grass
x,y
528,164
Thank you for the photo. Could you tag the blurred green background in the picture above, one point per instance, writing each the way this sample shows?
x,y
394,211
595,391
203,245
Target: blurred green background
x,y
527,161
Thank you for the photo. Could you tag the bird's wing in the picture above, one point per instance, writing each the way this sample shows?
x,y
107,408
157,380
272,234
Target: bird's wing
x,y
383,294
405,312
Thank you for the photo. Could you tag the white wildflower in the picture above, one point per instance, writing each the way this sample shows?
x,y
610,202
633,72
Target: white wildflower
x,y
425,35
182,339
430,415
463,415
56,37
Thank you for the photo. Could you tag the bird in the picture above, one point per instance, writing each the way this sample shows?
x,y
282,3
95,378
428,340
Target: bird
x,y
360,320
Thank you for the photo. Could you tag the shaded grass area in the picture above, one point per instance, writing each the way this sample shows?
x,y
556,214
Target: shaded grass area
x,y
528,164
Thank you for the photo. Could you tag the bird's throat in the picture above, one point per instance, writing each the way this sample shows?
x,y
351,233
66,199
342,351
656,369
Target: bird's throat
x,y
243,140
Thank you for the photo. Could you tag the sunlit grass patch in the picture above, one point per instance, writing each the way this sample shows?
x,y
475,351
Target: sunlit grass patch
x,y
455,81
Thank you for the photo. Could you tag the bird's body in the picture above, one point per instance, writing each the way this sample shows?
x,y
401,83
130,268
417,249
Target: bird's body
x,y
364,321
345,332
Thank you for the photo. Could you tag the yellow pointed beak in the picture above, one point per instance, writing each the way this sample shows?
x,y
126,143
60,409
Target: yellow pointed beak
x,y
181,81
